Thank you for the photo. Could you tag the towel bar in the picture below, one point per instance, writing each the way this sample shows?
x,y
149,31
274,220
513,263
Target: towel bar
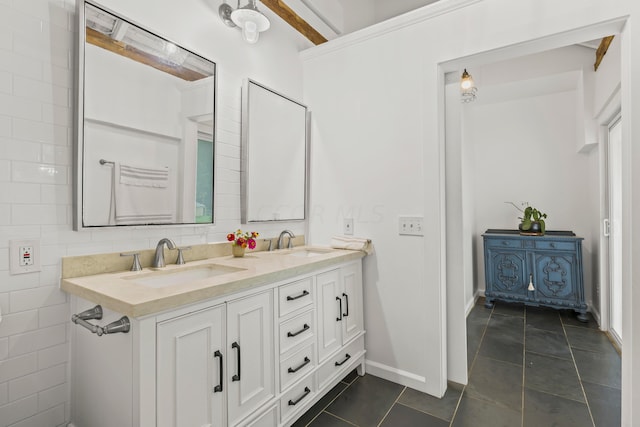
x,y
121,325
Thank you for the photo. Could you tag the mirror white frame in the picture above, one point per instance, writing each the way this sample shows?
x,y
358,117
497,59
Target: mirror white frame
x,y
165,146
274,156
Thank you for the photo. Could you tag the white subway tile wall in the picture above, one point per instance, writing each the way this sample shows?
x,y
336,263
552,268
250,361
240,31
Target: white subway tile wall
x,y
36,128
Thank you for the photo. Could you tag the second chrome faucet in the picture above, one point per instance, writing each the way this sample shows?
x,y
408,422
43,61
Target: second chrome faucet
x,y
158,259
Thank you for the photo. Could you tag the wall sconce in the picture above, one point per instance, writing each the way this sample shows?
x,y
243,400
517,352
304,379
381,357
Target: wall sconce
x,y
468,88
248,18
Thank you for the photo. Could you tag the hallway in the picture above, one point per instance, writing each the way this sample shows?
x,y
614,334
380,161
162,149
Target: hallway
x,y
528,367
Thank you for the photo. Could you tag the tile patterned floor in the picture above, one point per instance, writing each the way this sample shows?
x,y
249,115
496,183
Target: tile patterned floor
x,y
529,367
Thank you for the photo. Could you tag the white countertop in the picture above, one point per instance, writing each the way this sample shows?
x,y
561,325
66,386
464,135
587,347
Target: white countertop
x,y
119,291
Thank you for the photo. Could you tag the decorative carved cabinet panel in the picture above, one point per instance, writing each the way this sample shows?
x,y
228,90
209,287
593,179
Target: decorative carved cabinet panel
x,y
536,270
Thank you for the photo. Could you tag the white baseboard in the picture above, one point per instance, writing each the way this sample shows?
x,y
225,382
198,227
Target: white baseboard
x,y
398,376
595,313
472,302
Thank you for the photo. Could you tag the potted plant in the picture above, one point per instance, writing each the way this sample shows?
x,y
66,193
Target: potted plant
x,y
532,220
240,240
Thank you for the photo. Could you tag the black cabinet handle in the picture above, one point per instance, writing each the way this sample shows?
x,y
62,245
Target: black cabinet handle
x,y
347,357
295,402
302,365
219,386
340,310
346,299
237,376
293,334
303,294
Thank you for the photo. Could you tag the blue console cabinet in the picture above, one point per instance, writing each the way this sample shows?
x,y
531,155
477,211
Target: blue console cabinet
x,y
535,270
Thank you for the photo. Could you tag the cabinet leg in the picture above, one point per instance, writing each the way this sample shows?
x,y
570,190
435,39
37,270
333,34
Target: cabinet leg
x,y
488,303
360,369
582,316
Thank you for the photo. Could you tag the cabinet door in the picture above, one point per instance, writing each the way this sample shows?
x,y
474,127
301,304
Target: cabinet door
x,y
507,273
555,278
189,358
329,292
250,327
352,316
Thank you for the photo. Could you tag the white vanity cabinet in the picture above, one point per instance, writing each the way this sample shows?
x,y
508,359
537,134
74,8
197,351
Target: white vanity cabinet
x,y
190,361
250,355
260,357
340,316
197,367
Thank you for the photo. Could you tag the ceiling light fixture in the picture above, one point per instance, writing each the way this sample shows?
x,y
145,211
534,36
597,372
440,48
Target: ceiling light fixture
x,y
468,90
248,18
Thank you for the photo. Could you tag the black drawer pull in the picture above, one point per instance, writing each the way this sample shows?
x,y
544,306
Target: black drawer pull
x,y
348,356
302,365
237,376
218,388
295,402
340,309
346,300
303,294
293,334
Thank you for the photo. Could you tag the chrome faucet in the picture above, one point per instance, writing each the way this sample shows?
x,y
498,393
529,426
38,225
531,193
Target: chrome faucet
x,y
158,259
291,236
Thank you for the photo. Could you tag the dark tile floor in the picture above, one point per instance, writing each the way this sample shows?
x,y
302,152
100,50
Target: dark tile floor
x,y
527,367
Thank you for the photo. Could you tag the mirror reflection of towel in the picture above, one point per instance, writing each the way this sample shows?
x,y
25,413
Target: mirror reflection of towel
x,y
142,195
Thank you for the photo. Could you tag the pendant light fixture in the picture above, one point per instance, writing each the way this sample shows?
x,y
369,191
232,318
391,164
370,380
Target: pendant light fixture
x,y
468,90
248,18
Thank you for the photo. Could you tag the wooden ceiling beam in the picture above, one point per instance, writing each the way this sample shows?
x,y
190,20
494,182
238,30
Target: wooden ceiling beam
x,y
601,51
290,17
119,48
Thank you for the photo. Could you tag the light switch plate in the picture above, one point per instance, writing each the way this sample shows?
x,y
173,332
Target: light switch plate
x,y
410,226
348,226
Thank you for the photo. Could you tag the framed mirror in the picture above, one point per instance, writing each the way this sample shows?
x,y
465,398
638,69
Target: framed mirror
x,y
274,155
146,126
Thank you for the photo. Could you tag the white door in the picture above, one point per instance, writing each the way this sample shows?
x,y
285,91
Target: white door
x,y
250,354
189,370
330,314
352,316
614,168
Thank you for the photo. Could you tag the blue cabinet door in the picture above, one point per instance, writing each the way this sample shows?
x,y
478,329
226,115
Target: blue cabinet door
x,y
554,278
506,273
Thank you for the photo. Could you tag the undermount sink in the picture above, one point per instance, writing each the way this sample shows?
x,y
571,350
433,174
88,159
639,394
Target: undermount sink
x,y
304,253
161,279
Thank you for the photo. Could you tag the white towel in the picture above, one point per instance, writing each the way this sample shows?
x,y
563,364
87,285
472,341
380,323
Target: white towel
x,y
352,243
142,195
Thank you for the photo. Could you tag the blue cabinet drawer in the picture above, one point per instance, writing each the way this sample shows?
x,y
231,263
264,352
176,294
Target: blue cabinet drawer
x,y
556,245
503,243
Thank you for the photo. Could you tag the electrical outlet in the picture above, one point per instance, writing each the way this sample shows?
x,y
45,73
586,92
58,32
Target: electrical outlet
x,y
410,226
347,226
24,256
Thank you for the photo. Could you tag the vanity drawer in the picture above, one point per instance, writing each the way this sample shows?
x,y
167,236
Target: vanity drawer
x,y
294,296
295,399
297,330
339,362
297,365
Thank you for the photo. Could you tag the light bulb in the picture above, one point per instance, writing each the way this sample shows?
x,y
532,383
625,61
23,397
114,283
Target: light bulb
x,y
250,32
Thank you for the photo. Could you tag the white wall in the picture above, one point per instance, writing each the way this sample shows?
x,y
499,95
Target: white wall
x,y
36,115
378,131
